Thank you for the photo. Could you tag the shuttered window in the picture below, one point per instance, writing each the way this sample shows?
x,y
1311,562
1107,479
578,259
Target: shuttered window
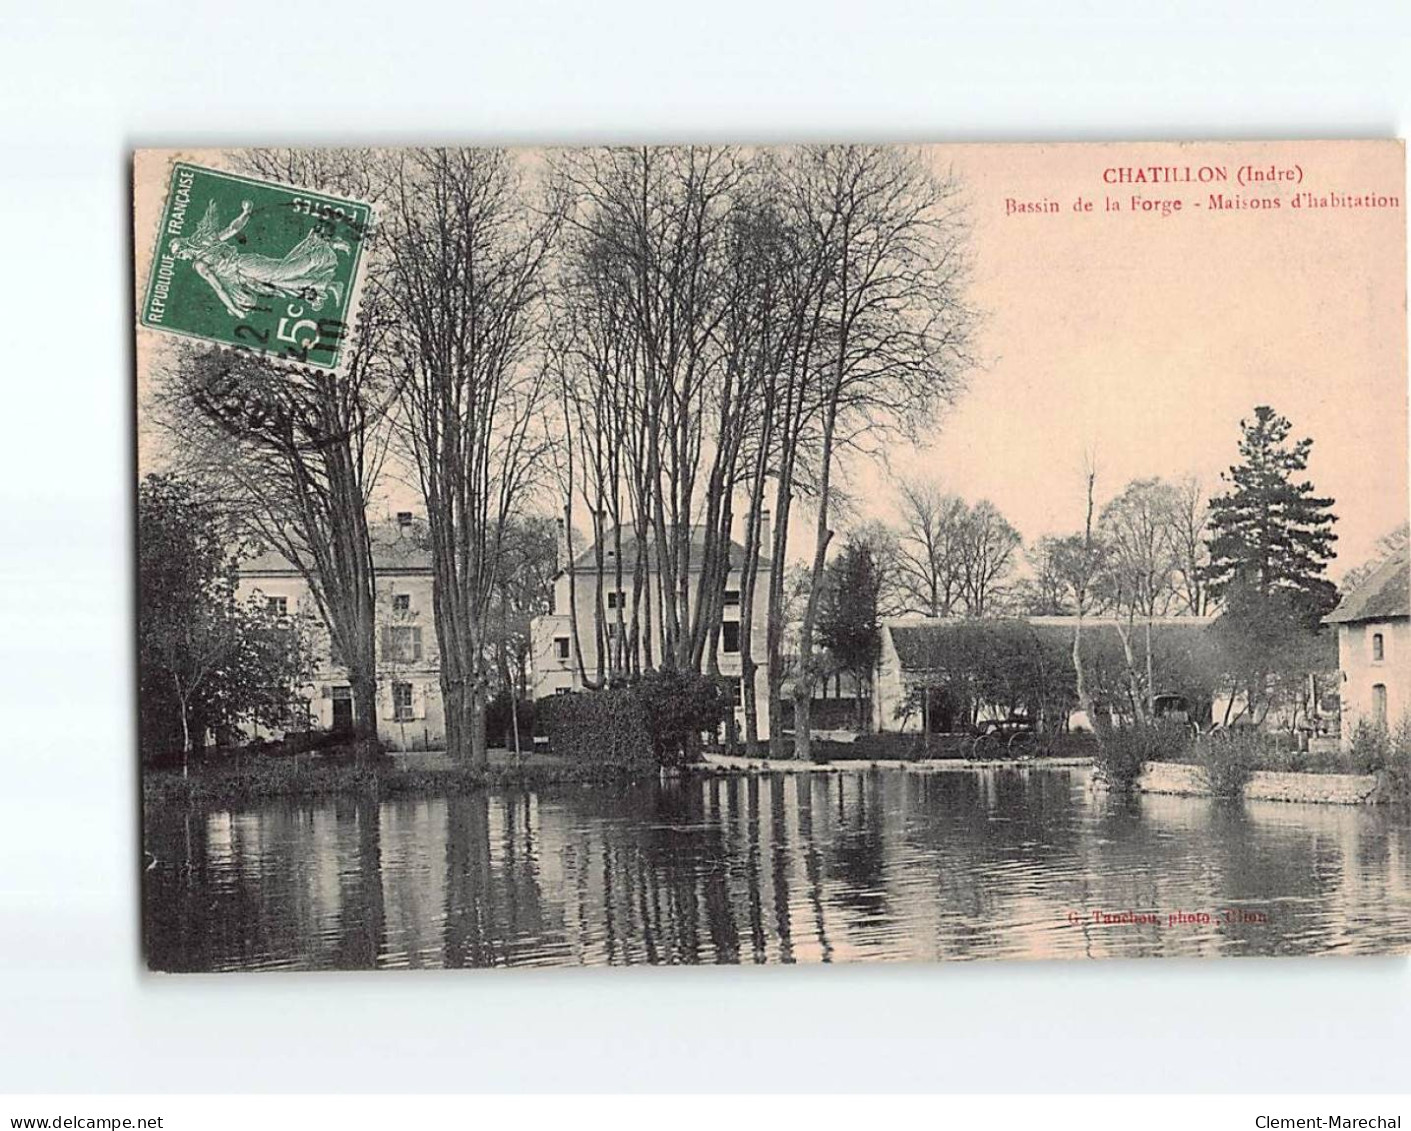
x,y
401,643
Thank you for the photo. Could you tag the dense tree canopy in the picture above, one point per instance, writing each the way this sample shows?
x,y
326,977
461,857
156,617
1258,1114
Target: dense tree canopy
x,y
206,661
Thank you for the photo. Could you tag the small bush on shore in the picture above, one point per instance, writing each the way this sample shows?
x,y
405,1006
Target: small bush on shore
x,y
1371,748
1228,759
1122,754
1377,750
677,707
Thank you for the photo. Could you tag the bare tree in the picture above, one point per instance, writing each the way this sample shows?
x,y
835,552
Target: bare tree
x,y
1082,573
893,331
465,249
648,275
988,545
1140,528
930,552
295,454
1190,516
1046,593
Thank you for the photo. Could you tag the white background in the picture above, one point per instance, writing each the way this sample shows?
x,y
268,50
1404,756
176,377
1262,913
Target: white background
x,y
82,84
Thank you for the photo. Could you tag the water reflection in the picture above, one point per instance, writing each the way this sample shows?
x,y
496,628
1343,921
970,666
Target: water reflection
x,y
772,868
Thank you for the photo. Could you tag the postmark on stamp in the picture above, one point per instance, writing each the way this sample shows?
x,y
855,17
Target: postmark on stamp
x,y
256,265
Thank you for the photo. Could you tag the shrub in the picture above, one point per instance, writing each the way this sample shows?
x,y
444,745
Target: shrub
x,y
1122,753
1398,763
1292,760
1228,759
677,707
596,726
1371,747
1168,741
657,720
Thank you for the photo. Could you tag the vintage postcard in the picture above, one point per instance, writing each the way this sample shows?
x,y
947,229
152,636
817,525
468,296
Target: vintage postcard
x,y
819,553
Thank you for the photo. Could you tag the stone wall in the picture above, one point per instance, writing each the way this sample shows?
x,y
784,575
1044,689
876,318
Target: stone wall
x,y
1265,785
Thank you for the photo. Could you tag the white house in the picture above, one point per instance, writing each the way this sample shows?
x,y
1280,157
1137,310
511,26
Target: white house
x,y
914,654
561,657
409,712
1374,646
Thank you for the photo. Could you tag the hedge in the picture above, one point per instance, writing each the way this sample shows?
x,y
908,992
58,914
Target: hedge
x,y
609,727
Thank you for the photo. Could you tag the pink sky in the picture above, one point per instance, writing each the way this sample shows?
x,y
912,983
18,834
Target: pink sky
x,y
1146,339
1141,338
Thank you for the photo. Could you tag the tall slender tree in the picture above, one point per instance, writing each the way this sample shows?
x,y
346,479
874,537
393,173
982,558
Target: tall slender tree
x,y
295,454
465,249
1271,539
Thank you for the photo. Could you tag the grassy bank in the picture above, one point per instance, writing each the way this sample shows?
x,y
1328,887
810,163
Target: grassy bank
x,y
259,779
1228,760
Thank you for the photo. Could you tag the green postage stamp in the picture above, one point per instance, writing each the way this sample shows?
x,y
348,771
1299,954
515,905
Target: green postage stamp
x,y
256,265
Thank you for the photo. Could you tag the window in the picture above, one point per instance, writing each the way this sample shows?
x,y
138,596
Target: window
x,y
404,519
1378,648
561,647
617,599
279,606
730,636
732,598
1379,704
342,691
401,643
401,602
737,693
402,702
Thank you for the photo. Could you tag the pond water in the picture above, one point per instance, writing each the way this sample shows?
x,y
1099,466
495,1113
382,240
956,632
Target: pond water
x,y
883,865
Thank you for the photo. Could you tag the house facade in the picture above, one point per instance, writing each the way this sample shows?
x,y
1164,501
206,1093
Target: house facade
x,y
1373,624
409,709
566,657
919,653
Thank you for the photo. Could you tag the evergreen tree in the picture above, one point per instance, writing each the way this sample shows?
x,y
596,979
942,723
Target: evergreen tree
x,y
1271,538
848,622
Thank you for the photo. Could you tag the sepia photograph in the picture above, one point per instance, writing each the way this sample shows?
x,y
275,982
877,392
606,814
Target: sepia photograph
x,y
818,553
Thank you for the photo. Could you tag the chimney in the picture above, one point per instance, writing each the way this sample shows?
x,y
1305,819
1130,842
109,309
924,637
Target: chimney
x,y
560,544
766,546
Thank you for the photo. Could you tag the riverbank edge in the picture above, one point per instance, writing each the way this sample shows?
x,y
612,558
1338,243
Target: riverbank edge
x,y
1172,778
378,780
732,763
388,779
1181,779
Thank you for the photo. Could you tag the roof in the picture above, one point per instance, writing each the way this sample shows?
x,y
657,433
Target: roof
x,y
922,644
587,559
1385,593
392,552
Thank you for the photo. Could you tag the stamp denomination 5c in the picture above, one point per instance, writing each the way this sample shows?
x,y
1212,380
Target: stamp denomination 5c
x,y
248,263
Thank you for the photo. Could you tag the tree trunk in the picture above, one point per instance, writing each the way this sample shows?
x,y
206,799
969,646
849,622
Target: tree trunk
x,y
185,733
364,685
803,720
479,745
